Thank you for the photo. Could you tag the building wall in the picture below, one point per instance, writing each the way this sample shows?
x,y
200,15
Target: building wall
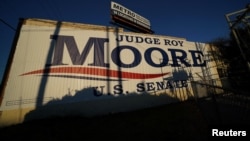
x,y
62,68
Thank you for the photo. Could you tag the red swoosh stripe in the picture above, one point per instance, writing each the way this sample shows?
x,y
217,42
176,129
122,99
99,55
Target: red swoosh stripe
x,y
95,71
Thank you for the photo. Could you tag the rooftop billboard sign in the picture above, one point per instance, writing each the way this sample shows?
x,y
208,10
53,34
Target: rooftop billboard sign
x,y
127,17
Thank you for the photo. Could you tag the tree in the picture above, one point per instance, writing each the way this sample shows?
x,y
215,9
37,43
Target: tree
x,y
238,72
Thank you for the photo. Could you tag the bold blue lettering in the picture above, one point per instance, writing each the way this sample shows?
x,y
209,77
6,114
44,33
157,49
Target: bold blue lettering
x,y
197,58
160,85
118,89
138,39
174,43
75,56
167,42
181,58
115,55
150,86
149,60
140,87
148,40
129,40
119,39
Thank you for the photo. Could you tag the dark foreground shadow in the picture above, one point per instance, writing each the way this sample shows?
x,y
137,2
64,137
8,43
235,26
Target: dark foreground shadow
x,y
88,103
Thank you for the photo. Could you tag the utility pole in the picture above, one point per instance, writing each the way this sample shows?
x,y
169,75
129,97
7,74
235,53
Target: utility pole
x,y
7,24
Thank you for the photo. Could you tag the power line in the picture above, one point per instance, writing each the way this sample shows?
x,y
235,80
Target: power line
x,y
7,24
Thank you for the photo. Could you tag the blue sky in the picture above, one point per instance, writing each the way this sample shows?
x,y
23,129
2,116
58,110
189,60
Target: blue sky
x,y
195,20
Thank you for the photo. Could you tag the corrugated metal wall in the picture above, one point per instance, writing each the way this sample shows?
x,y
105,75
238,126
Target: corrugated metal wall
x,y
62,68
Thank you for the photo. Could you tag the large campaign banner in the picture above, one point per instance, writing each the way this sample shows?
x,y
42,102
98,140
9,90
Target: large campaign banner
x,y
59,61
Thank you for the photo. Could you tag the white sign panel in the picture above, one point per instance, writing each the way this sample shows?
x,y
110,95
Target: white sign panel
x,y
62,64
